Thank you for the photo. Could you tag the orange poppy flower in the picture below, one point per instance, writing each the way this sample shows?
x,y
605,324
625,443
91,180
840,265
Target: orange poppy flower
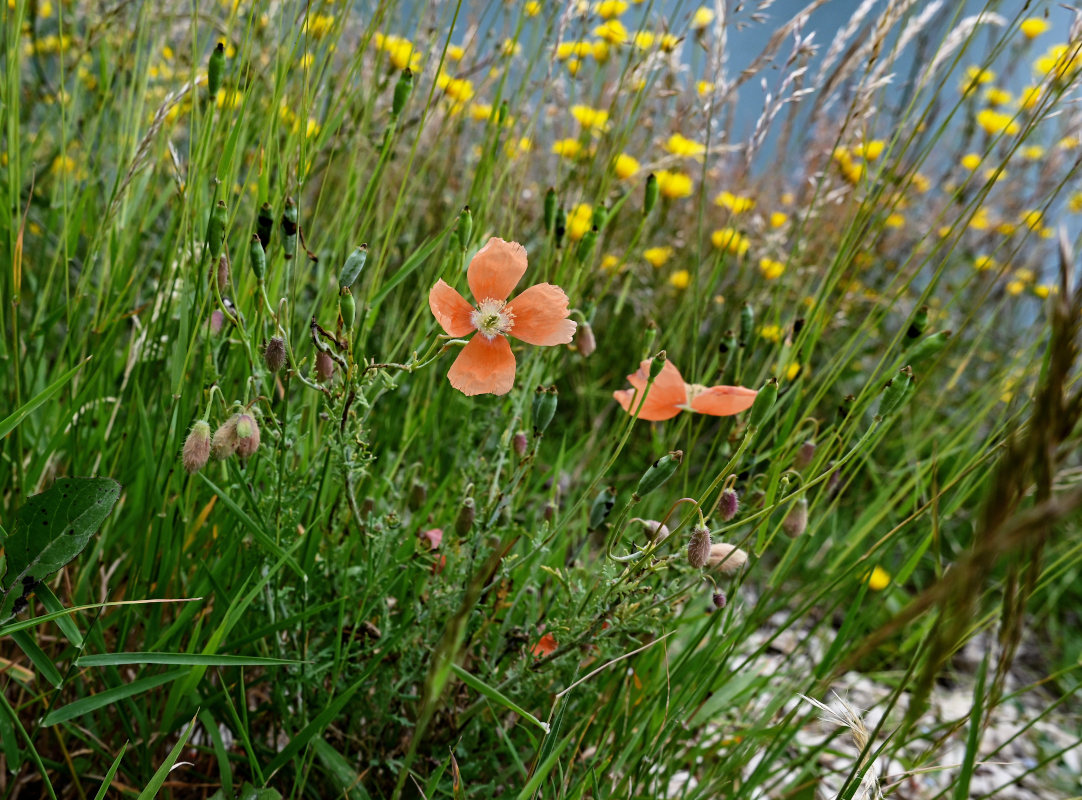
x,y
545,646
670,395
537,315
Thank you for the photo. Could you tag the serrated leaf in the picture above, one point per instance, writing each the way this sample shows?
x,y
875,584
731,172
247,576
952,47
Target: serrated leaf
x,y
50,530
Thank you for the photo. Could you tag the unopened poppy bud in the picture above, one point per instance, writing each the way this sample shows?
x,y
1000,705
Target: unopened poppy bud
x,y
216,321
196,451
699,547
586,245
324,366
896,391
520,444
650,197
502,112
258,257
264,224
274,354
418,495
718,600
289,228
467,513
221,272
917,326
804,455
796,521
728,504
584,339
347,308
747,323
216,228
368,505
561,225
464,229
600,217
728,343
658,472
726,558
763,404
247,435
224,442
657,364
550,210
928,347
402,91
544,408
602,507
353,266
549,512
215,68
658,532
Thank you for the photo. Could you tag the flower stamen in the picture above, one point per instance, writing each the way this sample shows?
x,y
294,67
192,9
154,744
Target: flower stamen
x,y
492,318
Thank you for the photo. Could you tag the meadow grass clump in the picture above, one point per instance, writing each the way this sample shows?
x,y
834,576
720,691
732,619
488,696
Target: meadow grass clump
x,y
539,399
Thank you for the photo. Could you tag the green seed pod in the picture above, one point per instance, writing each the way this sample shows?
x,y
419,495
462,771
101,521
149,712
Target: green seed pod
x,y
402,91
561,225
659,472
917,326
215,68
657,364
503,112
347,308
896,391
650,198
928,348
728,343
747,323
602,507
601,216
550,210
289,228
586,245
465,227
764,403
544,408
258,257
216,228
353,266
264,224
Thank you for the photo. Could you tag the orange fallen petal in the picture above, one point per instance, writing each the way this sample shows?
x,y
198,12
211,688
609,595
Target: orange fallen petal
x,y
450,309
540,316
485,366
496,269
723,401
545,646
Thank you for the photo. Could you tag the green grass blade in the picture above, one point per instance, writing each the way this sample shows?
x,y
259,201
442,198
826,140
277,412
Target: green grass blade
x,y
108,779
162,772
7,425
108,697
186,659
497,696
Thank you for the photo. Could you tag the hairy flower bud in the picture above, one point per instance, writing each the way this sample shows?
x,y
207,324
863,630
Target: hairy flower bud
x,y
726,558
699,547
719,600
216,321
658,532
196,451
585,340
804,455
247,431
520,444
224,442
324,366
274,354
728,504
220,273
796,521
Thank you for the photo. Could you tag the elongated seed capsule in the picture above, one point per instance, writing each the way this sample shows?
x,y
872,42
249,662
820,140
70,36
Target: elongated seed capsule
x,y
347,308
917,326
289,228
502,112
657,364
602,507
896,391
216,228
402,91
927,348
465,227
601,216
550,209
747,323
264,224
258,257
763,404
650,197
658,472
561,225
347,276
215,68
544,408
586,245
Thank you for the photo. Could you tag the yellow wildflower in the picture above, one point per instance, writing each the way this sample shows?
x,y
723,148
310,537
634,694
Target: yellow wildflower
x,y
607,9
704,87
228,98
731,240
579,221
657,256
669,42
568,148
1074,203
1024,275
625,166
573,66
319,25
609,262
643,40
771,269
568,50
878,579
532,8
1032,219
1015,288
612,32
702,17
1006,228
778,219
772,333
673,184
971,161
985,263
458,89
1042,290
1032,27
980,221
481,111
996,96
975,76
679,145
869,151
1059,62
1033,152
600,50
1068,143
455,52
592,119
680,279
1029,98
995,122
895,220
735,203
792,371
510,47
401,52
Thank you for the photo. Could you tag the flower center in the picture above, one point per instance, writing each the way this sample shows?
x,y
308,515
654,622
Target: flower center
x,y
491,318
693,391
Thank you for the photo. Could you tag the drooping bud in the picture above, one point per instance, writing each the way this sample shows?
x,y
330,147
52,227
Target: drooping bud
x,y
586,245
544,408
402,91
917,326
196,451
796,521
650,196
726,558
763,404
747,323
718,600
219,215
699,547
657,532
896,391
585,340
467,513
550,210
221,272
602,507
215,68
289,228
728,504
804,455
658,472
274,354
347,308
247,431
464,229
264,224
353,266
520,444
324,366
561,225
657,364
224,442
216,321
258,257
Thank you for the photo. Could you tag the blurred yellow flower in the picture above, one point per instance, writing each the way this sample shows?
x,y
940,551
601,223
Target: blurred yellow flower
x,y
568,148
730,239
532,8
643,40
509,47
735,203
997,97
600,50
771,269
702,17
679,145
1033,152
792,371
975,76
878,579
778,219
1074,203
1032,27
895,220
579,221
592,119
455,53
980,220
1024,275
657,256
680,279
318,25
573,66
481,111
1042,290
971,161
704,87
1015,288
568,50
1032,219
984,263
1059,62
400,51
669,42
609,262
228,98
514,148
607,9
920,183
1029,98
1006,228
673,185
772,333
869,151
625,166
995,122
1068,143
612,32
458,89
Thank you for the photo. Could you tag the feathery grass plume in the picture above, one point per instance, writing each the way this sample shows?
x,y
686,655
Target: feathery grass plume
x,y
699,546
246,431
274,353
196,450
796,521
224,442
850,719
728,504
726,558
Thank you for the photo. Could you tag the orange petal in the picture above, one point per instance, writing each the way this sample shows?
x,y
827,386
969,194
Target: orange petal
x,y
540,316
450,309
545,646
723,401
665,397
496,269
484,367
651,411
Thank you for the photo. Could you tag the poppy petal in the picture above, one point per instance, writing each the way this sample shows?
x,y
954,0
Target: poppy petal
x,y
496,269
484,367
450,309
723,401
540,316
652,410
665,397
